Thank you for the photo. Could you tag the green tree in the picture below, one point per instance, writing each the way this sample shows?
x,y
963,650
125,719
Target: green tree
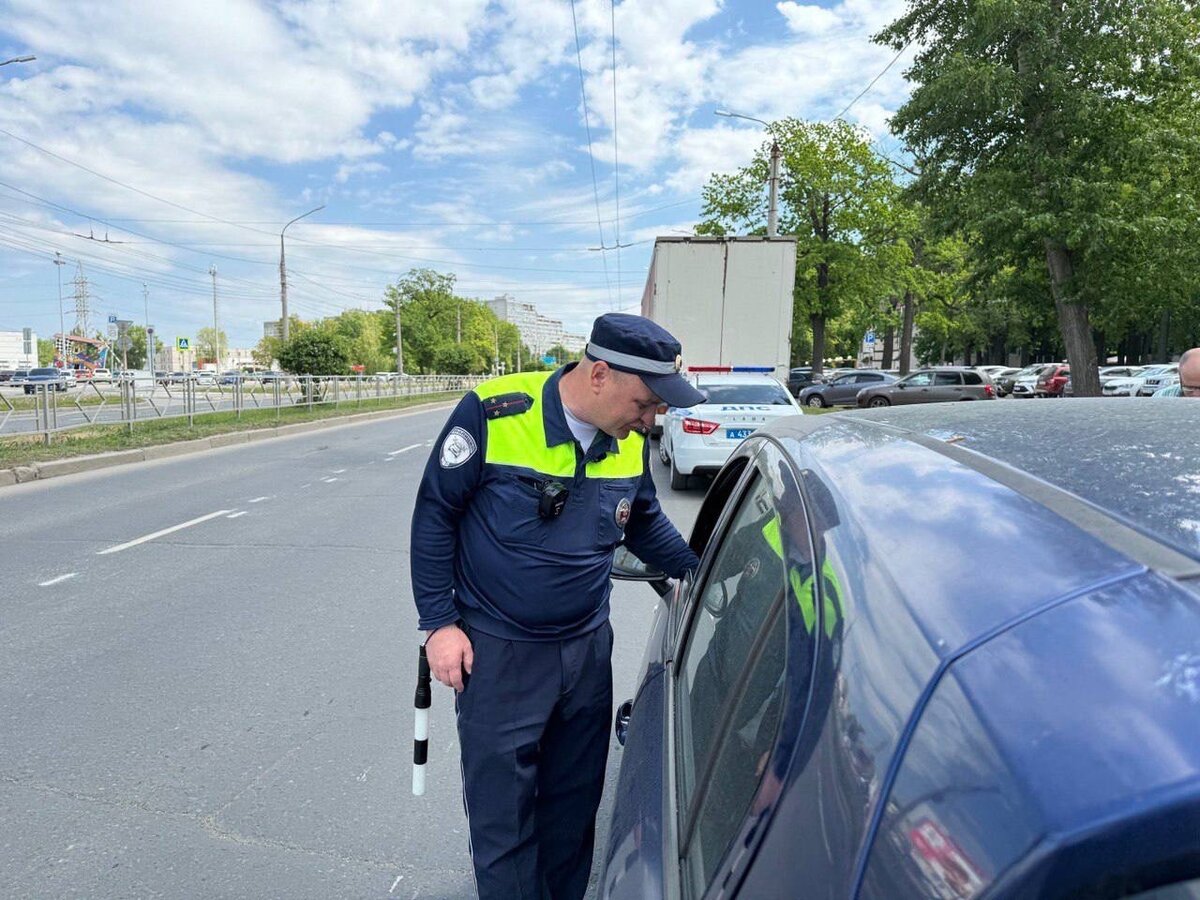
x,y
315,352
427,314
210,344
45,351
137,355
455,359
1065,132
837,198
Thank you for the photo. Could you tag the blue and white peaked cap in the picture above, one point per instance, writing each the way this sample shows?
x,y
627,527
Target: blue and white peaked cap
x,y
634,344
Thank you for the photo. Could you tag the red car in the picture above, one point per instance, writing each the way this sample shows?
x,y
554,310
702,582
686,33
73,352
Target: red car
x,y
1052,381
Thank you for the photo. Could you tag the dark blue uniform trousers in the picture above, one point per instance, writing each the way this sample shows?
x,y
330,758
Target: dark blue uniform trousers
x,y
533,723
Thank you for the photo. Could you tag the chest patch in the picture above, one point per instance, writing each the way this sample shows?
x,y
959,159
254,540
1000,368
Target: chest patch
x,y
457,448
621,515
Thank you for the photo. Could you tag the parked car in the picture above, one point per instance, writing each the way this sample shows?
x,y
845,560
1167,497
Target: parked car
x,y
1157,380
18,377
206,379
929,386
6,375
1025,384
233,376
801,377
102,376
163,377
992,372
1007,383
50,377
141,379
843,390
1107,374
884,682
698,440
1051,380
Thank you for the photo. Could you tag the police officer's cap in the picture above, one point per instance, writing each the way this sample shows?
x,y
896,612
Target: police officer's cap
x,y
635,344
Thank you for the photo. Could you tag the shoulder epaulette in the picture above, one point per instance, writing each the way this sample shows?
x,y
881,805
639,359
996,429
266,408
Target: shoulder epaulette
x,y
507,405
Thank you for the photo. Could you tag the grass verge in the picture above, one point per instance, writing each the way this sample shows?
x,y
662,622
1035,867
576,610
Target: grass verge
x,y
21,451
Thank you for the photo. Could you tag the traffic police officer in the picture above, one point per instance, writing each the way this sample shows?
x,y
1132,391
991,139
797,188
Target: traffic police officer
x,y
534,481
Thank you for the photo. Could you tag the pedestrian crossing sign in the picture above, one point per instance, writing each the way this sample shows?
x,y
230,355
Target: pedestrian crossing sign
x,y
183,343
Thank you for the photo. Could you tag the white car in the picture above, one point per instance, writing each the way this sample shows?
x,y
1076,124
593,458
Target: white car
x,y
1156,381
1026,384
698,440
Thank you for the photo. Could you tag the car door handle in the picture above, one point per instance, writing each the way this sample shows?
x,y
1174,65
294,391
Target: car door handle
x,y
621,722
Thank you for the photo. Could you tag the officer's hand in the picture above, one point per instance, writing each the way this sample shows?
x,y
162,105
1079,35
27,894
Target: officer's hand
x,y
449,653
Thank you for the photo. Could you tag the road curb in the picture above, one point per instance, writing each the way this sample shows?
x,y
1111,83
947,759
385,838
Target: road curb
x,y
75,465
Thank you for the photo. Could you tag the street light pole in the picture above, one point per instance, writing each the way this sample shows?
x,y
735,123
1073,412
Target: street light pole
x,y
283,325
773,202
212,270
59,262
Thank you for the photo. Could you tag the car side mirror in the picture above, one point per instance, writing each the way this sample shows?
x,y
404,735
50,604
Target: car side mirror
x,y
627,567
901,385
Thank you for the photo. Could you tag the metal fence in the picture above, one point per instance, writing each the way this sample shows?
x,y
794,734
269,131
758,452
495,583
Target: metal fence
x,y
48,411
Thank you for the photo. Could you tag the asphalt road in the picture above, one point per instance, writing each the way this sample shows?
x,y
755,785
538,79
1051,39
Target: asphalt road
x,y
224,709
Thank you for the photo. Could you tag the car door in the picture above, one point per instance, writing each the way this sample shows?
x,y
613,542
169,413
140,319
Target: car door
x,y
842,389
913,389
946,386
738,681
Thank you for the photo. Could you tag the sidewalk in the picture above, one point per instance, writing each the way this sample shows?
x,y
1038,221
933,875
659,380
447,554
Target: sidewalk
x,y
76,464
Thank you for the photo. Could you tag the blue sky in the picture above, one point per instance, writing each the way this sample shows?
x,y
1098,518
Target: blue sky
x,y
446,134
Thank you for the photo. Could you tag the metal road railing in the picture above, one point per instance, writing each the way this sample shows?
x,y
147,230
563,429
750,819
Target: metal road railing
x,y
47,410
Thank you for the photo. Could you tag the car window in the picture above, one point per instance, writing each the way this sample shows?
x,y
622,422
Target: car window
x,y
769,394
730,682
869,378
972,378
947,378
921,379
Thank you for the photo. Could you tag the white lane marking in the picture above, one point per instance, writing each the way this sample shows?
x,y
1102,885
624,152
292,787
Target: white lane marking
x,y
330,480
240,512
338,471
57,580
258,499
409,447
306,485
392,889
158,534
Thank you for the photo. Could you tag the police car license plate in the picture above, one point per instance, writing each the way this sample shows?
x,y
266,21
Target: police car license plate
x,y
736,434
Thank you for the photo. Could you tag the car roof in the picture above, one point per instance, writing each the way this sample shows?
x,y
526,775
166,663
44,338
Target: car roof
x,y
1005,593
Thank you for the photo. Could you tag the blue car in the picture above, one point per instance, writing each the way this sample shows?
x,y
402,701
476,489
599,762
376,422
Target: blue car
x,y
948,651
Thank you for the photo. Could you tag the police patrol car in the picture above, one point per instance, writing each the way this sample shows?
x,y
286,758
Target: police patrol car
x,y
741,399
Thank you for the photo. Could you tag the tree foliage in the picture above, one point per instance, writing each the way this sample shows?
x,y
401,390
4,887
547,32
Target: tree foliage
x,y
838,198
315,351
211,344
1062,136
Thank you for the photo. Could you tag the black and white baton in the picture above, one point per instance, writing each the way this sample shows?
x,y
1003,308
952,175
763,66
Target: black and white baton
x,y
421,723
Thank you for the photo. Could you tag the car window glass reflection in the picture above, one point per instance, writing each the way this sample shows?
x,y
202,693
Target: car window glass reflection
x,y
731,680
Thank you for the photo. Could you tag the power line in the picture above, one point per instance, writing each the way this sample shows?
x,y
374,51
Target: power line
x,y
591,156
883,72
616,159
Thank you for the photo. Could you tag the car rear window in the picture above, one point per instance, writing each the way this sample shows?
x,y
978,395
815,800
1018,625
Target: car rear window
x,y
44,372
770,394
972,378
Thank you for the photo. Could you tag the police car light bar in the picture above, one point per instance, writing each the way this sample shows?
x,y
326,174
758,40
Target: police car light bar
x,y
727,369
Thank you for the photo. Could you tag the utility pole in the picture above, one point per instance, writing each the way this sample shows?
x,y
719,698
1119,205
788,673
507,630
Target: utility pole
x,y
399,340
212,270
149,331
283,323
458,333
773,208
59,262
496,334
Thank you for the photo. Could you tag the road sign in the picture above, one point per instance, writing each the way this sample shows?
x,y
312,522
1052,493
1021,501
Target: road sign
x,y
870,337
112,320
549,360
183,343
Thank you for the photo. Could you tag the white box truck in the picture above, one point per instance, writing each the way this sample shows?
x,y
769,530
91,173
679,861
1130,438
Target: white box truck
x,y
727,299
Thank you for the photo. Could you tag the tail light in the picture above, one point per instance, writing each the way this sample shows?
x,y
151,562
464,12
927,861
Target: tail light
x,y
989,391
699,426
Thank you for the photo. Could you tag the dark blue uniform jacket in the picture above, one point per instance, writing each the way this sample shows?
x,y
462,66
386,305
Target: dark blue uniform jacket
x,y
481,553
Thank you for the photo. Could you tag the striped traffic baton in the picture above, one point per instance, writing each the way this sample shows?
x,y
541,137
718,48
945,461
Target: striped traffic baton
x,y
421,724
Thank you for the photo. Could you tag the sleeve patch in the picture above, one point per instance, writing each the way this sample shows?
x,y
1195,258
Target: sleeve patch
x,y
507,405
458,447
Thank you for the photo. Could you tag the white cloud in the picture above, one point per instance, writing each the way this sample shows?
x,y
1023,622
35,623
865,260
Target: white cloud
x,y
808,19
